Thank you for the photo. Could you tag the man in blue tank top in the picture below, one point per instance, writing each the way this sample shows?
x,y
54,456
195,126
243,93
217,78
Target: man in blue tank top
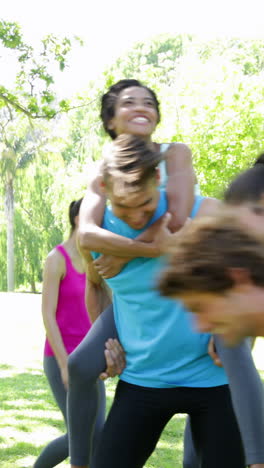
x,y
168,368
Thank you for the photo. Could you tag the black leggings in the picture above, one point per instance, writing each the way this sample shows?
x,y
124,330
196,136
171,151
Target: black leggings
x,y
139,415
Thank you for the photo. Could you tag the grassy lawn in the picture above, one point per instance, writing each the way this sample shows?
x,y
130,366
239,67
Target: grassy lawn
x,y
29,418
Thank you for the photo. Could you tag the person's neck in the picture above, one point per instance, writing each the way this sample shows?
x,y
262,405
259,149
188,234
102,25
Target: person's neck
x,y
70,243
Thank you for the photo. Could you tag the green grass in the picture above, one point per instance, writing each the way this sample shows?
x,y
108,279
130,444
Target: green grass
x,y
29,417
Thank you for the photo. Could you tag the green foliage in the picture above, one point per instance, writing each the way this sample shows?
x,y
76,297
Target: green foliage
x,y
31,96
152,61
248,54
32,93
10,35
85,135
36,228
211,96
3,276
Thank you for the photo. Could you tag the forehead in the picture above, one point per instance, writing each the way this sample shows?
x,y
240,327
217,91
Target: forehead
x,y
134,92
199,298
250,214
130,199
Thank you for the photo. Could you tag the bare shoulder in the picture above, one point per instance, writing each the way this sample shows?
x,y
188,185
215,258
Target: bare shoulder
x,y
94,171
179,146
209,206
178,156
178,149
55,263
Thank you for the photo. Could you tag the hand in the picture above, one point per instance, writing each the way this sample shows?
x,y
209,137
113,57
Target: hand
x,y
163,235
257,465
108,266
175,225
212,352
115,359
65,376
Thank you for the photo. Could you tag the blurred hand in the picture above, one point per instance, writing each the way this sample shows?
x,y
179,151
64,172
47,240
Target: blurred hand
x,y
175,225
212,352
115,359
163,234
164,237
108,266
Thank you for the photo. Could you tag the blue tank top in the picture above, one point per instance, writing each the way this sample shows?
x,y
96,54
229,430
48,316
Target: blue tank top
x,y
163,348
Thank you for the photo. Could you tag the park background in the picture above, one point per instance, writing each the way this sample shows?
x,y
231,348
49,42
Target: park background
x,y
204,59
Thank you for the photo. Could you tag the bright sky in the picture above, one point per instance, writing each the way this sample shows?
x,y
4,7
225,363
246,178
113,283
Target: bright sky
x,y
109,28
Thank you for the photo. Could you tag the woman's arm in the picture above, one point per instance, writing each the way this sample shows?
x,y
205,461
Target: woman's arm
x,y
54,270
97,299
180,185
91,237
97,295
158,233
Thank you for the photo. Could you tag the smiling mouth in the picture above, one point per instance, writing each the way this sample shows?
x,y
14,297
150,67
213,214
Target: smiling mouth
x,y
140,120
138,225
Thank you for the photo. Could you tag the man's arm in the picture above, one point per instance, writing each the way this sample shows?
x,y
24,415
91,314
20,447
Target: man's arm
x,y
98,297
91,237
110,265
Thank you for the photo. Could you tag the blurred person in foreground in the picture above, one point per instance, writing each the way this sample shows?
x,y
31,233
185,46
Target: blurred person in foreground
x,y
217,268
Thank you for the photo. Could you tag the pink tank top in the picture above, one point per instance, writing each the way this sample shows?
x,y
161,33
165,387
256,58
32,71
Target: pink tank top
x,y
71,314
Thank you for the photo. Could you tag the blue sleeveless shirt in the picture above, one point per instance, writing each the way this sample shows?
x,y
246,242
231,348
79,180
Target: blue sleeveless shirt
x,y
163,348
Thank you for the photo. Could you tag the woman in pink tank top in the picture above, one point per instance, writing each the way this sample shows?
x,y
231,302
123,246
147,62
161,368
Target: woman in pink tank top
x,y
66,322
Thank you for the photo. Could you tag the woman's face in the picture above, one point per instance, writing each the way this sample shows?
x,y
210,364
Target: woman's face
x,y
135,113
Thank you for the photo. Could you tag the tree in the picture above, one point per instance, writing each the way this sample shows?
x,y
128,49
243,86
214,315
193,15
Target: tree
x,y
211,96
29,99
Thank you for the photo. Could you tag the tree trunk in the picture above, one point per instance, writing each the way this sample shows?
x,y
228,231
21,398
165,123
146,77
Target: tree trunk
x,y
9,209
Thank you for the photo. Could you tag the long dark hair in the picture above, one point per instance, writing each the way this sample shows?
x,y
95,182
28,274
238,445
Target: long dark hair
x,y
74,209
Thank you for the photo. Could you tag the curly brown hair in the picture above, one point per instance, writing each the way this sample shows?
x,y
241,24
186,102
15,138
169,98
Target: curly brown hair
x,y
202,257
